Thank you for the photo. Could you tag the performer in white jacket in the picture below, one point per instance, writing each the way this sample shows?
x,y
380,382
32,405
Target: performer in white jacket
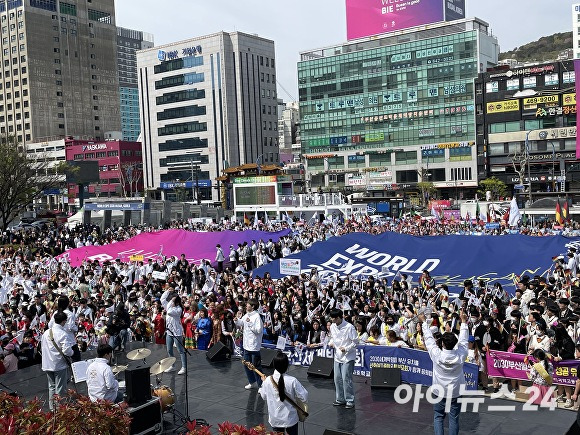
x,y
447,372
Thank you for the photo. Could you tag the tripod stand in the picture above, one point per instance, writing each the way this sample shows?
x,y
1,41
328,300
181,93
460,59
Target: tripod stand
x,y
183,418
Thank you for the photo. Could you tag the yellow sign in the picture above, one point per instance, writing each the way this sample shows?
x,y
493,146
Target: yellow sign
x,y
136,257
503,106
569,99
545,99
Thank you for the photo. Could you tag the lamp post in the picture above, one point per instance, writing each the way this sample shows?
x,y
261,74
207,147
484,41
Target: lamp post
x,y
195,189
553,166
527,145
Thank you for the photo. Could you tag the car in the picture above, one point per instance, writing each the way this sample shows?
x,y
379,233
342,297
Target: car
x,y
19,226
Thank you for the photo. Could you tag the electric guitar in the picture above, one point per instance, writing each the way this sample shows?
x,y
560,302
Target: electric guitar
x,y
300,406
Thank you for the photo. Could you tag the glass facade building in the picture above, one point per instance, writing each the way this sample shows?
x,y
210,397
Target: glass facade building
x,y
128,42
380,114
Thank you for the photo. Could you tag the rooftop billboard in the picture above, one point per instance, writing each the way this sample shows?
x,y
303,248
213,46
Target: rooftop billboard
x,y
372,17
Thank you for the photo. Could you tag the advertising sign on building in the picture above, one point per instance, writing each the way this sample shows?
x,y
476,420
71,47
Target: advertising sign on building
x,y
503,106
373,17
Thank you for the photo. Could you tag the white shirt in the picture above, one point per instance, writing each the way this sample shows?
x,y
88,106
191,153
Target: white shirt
x,y
344,335
253,329
52,360
447,364
101,382
282,414
173,318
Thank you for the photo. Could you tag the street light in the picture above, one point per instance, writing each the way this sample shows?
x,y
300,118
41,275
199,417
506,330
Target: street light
x,y
527,144
194,178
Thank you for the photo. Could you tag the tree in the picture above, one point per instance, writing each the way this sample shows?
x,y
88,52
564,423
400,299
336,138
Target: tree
x,y
497,188
23,180
426,187
130,174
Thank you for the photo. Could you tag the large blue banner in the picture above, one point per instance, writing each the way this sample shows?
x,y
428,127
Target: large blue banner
x,y
450,259
416,365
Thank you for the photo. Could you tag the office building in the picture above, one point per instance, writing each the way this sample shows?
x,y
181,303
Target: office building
x,y
576,30
381,114
60,69
207,104
128,43
535,106
289,132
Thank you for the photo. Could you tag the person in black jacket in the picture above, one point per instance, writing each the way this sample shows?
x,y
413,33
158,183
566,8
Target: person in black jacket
x,y
118,328
488,336
565,349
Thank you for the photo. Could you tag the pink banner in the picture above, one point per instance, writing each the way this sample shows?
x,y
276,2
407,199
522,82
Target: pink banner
x,y
512,366
195,245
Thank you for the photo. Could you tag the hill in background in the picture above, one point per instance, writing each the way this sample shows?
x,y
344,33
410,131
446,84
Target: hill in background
x,y
544,49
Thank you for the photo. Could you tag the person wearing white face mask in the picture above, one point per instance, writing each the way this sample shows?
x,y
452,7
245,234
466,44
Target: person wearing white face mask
x,y
487,336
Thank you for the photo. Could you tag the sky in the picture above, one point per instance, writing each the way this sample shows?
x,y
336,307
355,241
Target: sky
x,y
302,25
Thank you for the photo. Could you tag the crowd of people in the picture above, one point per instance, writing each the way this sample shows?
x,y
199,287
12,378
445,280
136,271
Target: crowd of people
x,y
218,299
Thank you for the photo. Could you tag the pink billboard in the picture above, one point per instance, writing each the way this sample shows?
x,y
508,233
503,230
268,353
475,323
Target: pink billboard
x,y
372,17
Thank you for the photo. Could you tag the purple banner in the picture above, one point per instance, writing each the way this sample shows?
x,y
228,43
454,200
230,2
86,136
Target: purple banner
x,y
512,366
452,214
577,77
372,17
195,245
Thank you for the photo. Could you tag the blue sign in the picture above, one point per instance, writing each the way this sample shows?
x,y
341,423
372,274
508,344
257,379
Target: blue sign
x,y
116,206
161,55
416,365
492,225
53,191
186,184
450,259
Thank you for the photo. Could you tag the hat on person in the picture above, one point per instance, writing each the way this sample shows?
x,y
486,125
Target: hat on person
x,y
471,339
9,347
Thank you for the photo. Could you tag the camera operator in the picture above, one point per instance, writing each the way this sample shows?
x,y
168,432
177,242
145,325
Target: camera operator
x,y
117,328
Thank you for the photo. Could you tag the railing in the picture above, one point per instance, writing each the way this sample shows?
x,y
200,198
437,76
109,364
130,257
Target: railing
x,y
314,199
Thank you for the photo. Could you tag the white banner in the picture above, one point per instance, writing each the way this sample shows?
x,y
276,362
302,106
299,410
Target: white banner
x,y
289,266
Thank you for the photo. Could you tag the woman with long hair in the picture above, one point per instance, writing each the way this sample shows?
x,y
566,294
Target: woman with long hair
x,y
174,310
276,390
541,372
203,330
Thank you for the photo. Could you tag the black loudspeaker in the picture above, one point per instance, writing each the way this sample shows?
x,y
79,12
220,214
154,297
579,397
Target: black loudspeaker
x,y
336,432
385,378
323,367
218,352
138,384
146,418
267,356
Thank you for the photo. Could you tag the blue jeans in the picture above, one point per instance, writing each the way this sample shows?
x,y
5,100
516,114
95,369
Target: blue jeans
x,y
255,358
343,381
169,339
120,339
57,382
439,416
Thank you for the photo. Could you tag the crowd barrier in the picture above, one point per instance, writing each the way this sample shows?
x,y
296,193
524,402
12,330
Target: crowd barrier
x,y
416,365
512,366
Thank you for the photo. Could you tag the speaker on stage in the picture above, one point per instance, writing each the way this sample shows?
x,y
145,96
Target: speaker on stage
x,y
218,352
336,432
323,367
385,378
146,418
138,384
267,356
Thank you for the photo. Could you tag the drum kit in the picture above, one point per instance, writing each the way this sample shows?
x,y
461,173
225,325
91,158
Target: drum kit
x,y
163,392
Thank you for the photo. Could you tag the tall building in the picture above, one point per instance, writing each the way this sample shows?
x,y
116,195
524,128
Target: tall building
x,y
60,69
289,132
207,104
533,105
576,30
380,114
128,43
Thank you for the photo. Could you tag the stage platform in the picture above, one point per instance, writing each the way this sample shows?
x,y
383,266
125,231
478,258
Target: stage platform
x,y
217,394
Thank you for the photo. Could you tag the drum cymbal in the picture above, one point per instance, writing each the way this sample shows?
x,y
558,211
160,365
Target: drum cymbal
x,y
161,366
118,369
138,354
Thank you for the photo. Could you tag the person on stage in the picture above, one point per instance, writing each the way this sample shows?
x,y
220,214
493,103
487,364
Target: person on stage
x,y
276,390
174,329
101,382
344,338
56,345
253,329
447,371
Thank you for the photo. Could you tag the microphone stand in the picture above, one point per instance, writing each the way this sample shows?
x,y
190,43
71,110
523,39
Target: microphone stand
x,y
184,418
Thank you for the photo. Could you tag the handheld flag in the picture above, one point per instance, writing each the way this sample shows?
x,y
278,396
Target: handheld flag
x,y
566,211
559,218
514,213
